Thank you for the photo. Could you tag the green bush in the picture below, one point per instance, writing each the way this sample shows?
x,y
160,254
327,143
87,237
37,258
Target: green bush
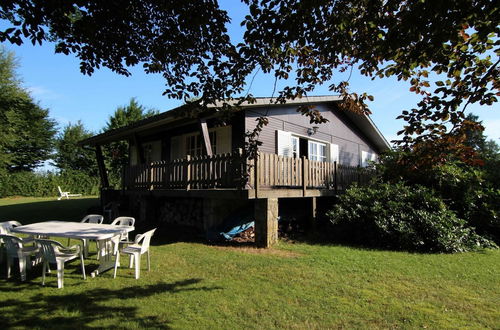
x,y
400,217
35,184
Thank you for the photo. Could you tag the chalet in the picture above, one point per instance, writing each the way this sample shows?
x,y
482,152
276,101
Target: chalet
x,y
192,171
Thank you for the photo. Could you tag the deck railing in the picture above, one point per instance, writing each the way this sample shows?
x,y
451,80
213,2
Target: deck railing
x,y
232,170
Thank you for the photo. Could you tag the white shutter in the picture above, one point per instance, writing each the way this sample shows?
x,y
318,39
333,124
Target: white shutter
x,y
176,147
334,153
373,157
365,156
284,143
223,137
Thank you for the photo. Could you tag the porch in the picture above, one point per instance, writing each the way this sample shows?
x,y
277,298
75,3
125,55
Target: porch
x,y
232,175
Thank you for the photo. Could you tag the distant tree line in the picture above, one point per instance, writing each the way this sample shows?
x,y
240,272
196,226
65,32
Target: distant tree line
x,y
29,138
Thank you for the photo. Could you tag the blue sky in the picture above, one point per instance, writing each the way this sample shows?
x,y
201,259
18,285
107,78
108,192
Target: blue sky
x,y
55,81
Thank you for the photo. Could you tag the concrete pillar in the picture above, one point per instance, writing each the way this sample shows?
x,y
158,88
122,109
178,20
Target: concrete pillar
x,y
266,222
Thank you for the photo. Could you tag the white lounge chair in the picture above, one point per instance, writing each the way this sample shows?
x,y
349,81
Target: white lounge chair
x,y
15,249
66,194
55,253
135,251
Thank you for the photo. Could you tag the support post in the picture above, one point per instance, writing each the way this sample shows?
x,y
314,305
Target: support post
x,y
102,167
188,172
256,173
140,151
266,222
206,136
305,172
313,212
335,176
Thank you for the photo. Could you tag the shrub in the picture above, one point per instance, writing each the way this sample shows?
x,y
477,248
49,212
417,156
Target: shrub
x,y
36,184
401,217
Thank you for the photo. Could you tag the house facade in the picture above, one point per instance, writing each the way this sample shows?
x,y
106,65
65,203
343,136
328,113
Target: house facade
x,y
199,164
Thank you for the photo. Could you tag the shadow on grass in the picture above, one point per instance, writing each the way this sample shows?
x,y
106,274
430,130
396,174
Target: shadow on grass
x,y
68,210
80,310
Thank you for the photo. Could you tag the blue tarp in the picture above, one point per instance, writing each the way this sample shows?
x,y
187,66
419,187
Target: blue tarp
x,y
234,224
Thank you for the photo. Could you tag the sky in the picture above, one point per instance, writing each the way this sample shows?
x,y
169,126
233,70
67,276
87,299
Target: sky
x,y
55,81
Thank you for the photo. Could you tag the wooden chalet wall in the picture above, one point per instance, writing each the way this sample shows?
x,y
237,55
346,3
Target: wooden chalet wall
x,y
338,130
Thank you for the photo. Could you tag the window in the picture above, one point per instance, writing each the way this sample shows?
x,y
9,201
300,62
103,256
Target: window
x,y
195,146
317,151
295,147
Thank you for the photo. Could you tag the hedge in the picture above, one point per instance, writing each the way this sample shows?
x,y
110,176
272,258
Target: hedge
x,y
44,184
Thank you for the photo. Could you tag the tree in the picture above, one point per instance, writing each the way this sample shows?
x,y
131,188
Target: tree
x,y
26,131
454,43
69,155
117,153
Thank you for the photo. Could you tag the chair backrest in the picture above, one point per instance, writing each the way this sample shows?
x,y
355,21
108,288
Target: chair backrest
x,y
48,248
124,221
12,243
60,190
146,239
93,218
6,227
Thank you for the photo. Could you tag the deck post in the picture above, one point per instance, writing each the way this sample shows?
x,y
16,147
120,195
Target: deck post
x,y
102,168
266,222
188,172
305,172
256,174
335,176
313,212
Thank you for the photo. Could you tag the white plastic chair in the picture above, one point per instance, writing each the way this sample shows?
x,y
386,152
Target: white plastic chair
x,y
135,251
15,249
124,221
65,194
54,252
6,229
91,218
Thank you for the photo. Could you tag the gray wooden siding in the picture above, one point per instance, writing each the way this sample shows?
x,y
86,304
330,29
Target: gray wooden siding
x,y
337,130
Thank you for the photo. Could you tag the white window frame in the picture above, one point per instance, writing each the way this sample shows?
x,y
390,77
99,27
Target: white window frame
x,y
315,154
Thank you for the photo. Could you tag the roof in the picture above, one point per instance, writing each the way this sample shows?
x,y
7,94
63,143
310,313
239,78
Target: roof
x,y
363,122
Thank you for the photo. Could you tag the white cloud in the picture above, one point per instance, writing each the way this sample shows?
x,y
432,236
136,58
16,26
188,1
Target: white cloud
x,y
40,92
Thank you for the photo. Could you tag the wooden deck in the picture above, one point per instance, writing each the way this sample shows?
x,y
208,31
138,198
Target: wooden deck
x,y
232,176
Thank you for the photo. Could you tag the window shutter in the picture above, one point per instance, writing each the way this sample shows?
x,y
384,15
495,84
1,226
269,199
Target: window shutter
x,y
284,143
334,153
223,139
364,156
374,157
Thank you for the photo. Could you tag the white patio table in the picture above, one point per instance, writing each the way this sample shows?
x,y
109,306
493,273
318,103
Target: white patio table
x,y
85,231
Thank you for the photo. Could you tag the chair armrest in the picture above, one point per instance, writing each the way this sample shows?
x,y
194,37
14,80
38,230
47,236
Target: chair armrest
x,y
138,238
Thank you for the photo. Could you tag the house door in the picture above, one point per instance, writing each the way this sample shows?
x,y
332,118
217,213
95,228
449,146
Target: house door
x,y
303,151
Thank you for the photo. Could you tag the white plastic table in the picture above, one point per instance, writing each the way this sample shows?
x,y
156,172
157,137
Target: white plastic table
x,y
84,231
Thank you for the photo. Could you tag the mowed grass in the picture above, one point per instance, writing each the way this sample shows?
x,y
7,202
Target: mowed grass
x,y
193,285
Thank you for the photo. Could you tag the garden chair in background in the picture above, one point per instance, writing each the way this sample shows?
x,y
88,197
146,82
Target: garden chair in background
x,y
124,221
66,194
135,250
91,218
15,249
54,252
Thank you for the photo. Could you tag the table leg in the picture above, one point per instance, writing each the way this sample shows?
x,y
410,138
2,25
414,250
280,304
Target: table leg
x,y
106,249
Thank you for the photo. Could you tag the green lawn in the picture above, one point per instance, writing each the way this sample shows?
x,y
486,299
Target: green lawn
x,y
193,285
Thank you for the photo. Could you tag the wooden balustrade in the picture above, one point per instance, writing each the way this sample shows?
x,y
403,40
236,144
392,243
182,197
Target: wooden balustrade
x,y
269,171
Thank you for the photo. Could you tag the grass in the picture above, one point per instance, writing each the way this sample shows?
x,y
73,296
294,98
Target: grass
x,y
193,285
